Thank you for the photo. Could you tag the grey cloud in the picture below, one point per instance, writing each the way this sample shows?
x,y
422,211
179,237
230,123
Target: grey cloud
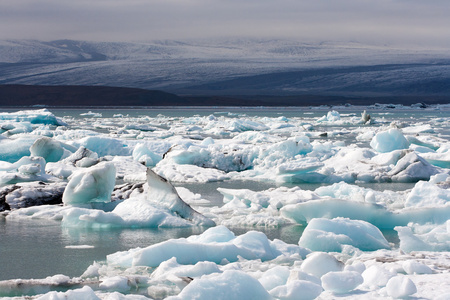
x,y
383,21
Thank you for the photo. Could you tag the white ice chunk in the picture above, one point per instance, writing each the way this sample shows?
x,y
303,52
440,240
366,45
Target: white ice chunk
x,y
116,283
341,282
427,238
139,212
414,267
218,234
376,276
320,263
127,168
27,169
241,125
135,212
426,194
375,214
387,141
144,155
274,277
91,114
105,145
331,235
332,116
12,128
355,193
94,184
257,244
411,167
85,293
419,128
252,245
297,290
296,274
82,158
231,284
400,287
189,173
171,267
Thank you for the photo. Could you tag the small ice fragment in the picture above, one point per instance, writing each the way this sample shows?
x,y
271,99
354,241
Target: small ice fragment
x,y
414,267
231,284
376,276
341,282
319,263
79,247
116,283
400,287
297,290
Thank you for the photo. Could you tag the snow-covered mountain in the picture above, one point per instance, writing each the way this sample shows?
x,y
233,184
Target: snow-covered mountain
x,y
227,67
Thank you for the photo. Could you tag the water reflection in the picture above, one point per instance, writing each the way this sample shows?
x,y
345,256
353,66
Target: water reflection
x,y
37,248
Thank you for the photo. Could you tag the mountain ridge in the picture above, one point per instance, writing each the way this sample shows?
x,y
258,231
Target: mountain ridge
x,y
239,68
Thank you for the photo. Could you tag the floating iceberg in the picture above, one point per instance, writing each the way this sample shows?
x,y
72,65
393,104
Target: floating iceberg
x,y
387,141
332,116
331,235
163,193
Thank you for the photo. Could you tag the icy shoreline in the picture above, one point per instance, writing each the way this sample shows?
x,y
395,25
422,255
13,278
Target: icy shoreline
x,y
342,253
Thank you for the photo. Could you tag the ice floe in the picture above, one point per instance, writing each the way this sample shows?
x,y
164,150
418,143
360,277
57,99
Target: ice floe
x,y
99,172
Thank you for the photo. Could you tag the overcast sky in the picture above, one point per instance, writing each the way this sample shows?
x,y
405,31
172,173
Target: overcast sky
x,y
420,22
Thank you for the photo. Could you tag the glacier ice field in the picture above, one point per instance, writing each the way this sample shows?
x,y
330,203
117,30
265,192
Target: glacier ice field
x,y
225,203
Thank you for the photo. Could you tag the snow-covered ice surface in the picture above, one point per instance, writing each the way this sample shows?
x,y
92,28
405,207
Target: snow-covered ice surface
x,y
345,178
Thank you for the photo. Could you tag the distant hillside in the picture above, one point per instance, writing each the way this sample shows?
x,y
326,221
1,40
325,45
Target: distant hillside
x,y
73,96
30,95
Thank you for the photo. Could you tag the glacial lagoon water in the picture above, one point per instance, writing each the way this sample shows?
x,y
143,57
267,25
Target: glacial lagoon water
x,y
33,249
40,248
